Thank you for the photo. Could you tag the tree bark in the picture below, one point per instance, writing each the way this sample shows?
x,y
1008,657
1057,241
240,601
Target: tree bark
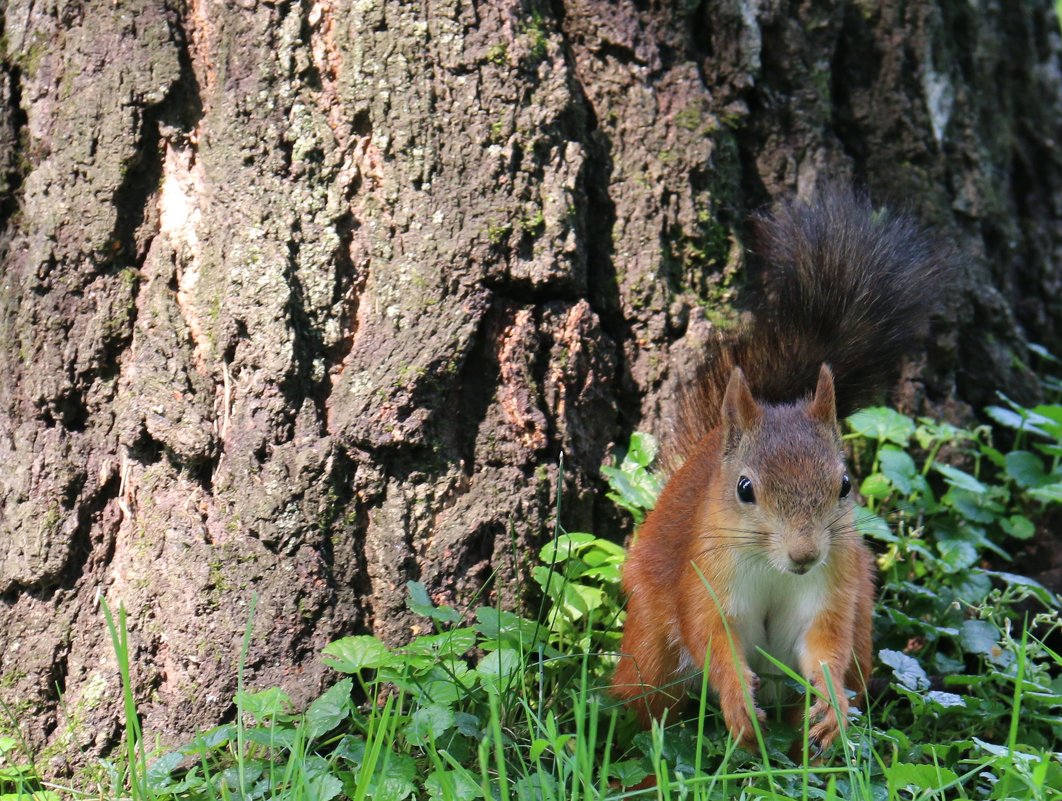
x,y
306,300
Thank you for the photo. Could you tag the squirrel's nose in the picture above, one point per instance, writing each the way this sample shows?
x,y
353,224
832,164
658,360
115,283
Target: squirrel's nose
x,y
802,558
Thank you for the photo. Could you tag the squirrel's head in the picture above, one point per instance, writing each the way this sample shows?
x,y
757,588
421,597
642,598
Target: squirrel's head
x,y
784,482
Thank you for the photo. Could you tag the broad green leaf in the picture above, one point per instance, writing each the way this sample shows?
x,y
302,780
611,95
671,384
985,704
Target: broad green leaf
x,y
264,705
972,586
420,604
1019,418
1003,751
1018,526
158,775
640,490
642,449
1049,417
901,775
956,555
564,547
428,723
898,467
628,772
455,642
944,699
906,669
979,637
977,508
958,478
1037,589
207,741
468,725
495,624
354,654
883,424
945,664
1052,493
329,710
870,525
322,787
500,669
875,486
278,737
1026,469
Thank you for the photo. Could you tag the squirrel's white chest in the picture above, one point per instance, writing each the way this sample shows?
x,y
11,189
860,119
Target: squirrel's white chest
x,y
773,611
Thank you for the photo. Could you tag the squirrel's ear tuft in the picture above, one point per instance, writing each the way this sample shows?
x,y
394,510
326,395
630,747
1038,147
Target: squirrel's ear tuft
x,y
740,410
823,406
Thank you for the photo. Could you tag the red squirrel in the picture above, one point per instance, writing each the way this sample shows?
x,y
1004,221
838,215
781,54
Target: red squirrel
x,y
761,509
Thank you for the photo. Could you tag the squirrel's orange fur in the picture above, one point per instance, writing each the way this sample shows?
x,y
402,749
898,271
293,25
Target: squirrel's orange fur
x,y
752,543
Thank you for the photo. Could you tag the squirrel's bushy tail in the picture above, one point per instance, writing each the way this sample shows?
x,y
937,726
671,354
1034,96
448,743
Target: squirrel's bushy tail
x,y
842,283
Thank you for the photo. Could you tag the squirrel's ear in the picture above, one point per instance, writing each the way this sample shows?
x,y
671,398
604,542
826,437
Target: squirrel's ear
x,y
823,406
740,410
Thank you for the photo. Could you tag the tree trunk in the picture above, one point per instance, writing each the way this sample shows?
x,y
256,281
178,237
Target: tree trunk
x,y
306,300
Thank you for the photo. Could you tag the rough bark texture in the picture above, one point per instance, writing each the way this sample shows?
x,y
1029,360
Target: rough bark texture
x,y
308,299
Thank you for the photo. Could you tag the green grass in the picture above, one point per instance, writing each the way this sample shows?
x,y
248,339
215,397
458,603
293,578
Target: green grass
x,y
494,705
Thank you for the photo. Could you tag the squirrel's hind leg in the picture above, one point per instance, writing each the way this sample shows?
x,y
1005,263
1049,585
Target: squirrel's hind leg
x,y
646,678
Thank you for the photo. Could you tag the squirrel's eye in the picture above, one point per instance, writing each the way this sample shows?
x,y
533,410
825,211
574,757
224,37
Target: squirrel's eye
x,y
744,490
846,485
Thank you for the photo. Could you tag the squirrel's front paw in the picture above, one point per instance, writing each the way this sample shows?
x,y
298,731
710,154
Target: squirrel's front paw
x,y
830,720
736,707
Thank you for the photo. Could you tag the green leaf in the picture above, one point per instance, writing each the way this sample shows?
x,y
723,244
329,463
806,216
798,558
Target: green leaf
x,y
1052,493
1026,469
564,547
1037,589
420,604
956,555
496,624
158,775
1018,418
979,637
1042,352
354,654
875,486
1018,526
642,449
322,787
974,507
205,742
901,775
329,710
628,772
958,478
972,586
1003,751
455,642
640,490
883,424
870,525
429,723
468,725
906,669
898,467
500,669
277,737
944,699
265,705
